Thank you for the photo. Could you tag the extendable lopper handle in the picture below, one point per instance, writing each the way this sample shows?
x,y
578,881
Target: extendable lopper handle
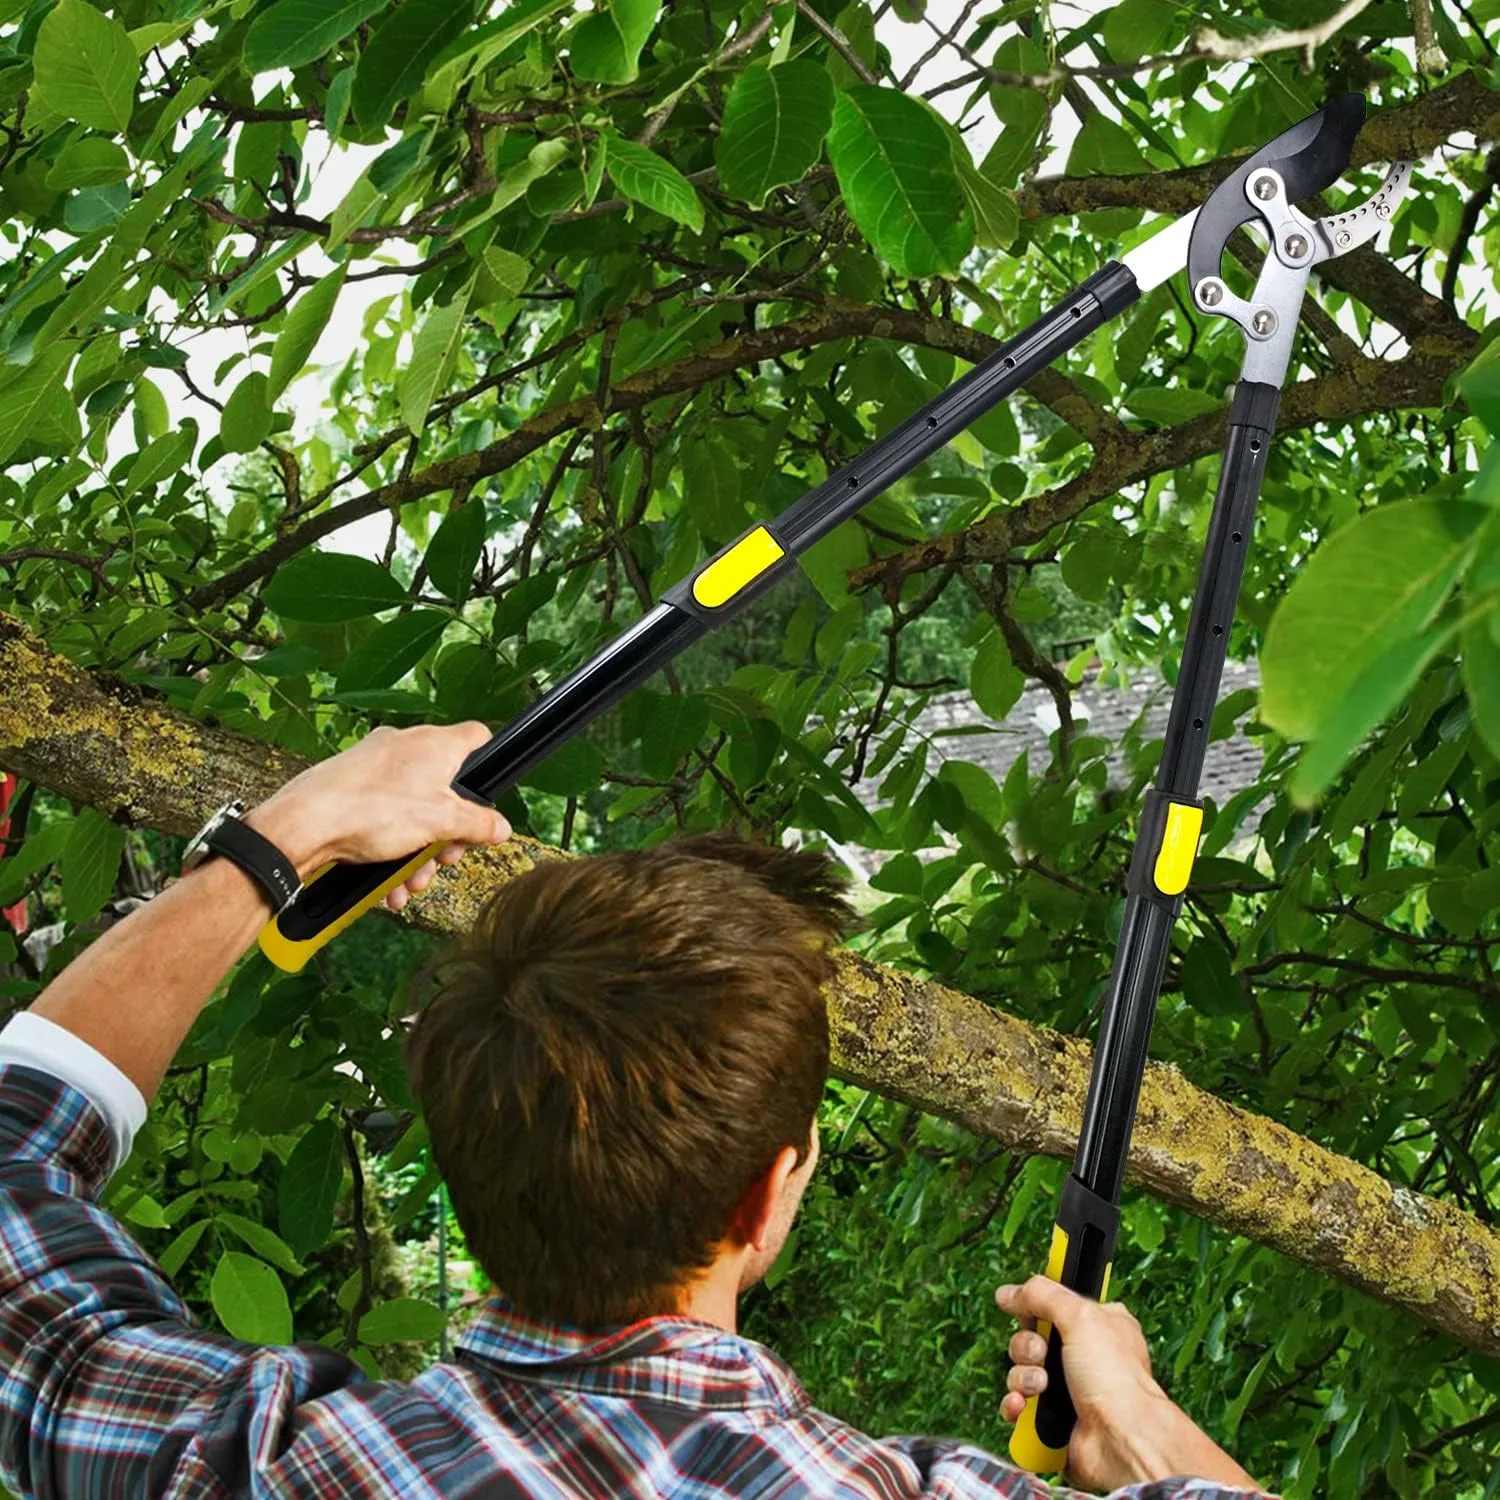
x,y
713,593
1083,1250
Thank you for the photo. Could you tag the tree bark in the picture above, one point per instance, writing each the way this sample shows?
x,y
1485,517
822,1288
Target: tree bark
x,y
99,742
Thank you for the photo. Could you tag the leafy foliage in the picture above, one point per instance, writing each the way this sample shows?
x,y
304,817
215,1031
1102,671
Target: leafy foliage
x,y
376,362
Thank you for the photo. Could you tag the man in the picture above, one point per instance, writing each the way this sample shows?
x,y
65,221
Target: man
x,y
619,1073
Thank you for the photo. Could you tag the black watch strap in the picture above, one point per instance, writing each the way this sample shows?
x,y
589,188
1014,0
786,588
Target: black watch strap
x,y
253,852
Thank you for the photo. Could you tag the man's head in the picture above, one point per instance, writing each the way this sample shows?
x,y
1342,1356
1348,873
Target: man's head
x,y
621,1067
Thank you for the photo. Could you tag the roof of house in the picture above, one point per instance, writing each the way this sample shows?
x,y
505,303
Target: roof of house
x,y
1229,766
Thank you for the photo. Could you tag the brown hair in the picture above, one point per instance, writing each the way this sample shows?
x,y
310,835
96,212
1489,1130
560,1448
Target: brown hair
x,y
617,1052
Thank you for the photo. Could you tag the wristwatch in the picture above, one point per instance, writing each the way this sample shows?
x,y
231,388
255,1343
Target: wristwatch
x,y
228,834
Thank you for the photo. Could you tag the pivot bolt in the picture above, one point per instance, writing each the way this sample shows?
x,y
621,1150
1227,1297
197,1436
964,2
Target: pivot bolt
x,y
1343,237
1264,187
1382,210
1264,322
1296,246
1210,292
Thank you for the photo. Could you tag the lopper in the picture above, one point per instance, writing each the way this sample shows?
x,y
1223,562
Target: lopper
x,y
1297,165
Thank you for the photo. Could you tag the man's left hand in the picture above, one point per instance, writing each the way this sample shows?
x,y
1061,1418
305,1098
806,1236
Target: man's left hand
x,y
380,799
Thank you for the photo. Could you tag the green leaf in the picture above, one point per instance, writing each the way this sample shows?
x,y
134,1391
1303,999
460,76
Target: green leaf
x,y
401,1320
895,170
672,724
1138,28
301,331
606,46
1481,655
250,1300
326,587
401,50
309,1187
510,272
175,1255
994,679
1208,981
90,862
391,650
42,847
1369,586
265,1242
38,403
997,221
90,162
293,32
1103,146
574,768
86,67
1168,406
645,177
828,562
453,553
246,422
774,123
432,357
711,489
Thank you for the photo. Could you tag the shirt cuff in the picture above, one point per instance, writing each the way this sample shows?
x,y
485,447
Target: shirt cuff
x,y
39,1043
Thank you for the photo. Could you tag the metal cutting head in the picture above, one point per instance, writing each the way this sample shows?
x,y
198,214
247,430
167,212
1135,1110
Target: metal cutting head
x,y
1298,164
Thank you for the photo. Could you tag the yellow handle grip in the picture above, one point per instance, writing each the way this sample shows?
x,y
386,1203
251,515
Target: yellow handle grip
x,y
1026,1446
291,954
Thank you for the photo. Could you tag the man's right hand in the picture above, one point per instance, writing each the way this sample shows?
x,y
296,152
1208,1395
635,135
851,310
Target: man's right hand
x,y
1128,1430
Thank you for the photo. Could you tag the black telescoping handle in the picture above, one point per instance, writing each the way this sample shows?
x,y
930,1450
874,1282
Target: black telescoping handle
x,y
714,593
1160,866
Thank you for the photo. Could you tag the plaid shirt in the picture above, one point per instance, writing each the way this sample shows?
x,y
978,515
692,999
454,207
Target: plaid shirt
x,y
108,1388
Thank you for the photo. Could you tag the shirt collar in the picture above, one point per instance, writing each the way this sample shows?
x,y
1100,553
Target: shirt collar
x,y
678,1360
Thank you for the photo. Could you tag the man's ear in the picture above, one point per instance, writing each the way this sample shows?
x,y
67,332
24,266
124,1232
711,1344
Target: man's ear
x,y
756,1211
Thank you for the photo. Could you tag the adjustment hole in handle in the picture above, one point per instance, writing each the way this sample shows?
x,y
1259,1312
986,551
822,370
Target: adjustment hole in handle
x,y
1010,364
853,483
1255,445
1218,630
932,421
1235,537
1077,312
1197,723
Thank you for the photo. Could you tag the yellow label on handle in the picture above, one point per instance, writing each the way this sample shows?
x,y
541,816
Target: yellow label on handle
x,y
725,576
292,954
1027,1449
1179,844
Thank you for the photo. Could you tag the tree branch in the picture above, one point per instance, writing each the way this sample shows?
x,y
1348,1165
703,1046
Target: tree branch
x,y
89,740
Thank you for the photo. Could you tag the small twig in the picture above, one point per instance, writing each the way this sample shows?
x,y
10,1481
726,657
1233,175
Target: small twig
x,y
366,1297
1430,55
839,42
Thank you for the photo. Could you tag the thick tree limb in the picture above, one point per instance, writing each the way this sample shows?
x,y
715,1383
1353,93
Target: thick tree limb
x,y
837,320
1355,389
1409,130
134,759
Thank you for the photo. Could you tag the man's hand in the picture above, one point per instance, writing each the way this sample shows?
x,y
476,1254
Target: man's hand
x,y
1128,1431
380,799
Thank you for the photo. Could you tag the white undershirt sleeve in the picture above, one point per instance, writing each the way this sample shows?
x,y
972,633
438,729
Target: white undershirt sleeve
x,y
39,1043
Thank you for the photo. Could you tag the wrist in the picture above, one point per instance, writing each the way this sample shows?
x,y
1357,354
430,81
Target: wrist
x,y
1163,1442
286,823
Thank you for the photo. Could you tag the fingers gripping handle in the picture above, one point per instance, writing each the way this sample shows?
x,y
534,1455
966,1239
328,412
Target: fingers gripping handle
x,y
1083,1250
331,899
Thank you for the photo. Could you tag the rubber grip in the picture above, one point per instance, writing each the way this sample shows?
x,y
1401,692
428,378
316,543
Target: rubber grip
x,y
1081,1257
291,954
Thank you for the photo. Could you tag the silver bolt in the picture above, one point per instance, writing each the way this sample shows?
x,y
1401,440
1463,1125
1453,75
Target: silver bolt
x,y
1343,238
1264,322
1210,292
1264,188
1383,210
1296,246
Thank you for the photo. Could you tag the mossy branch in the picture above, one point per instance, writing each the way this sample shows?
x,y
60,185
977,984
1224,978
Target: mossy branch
x,y
98,743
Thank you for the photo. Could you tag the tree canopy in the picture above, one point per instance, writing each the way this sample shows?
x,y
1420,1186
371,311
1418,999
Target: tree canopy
x,y
376,362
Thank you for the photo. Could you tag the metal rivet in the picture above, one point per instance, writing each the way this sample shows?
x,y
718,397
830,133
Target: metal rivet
x,y
1264,322
1383,210
1264,188
1344,237
1210,292
1296,246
